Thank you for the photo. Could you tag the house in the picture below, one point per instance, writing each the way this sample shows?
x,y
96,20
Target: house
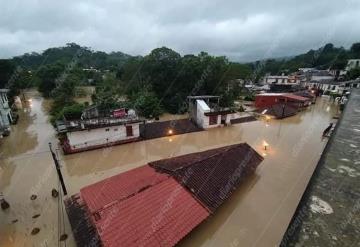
x,y
352,64
159,203
315,76
95,129
206,112
5,113
282,83
281,80
270,99
337,87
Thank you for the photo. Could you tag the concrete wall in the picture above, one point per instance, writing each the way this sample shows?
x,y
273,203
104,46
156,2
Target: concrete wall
x,y
201,119
4,111
100,136
204,121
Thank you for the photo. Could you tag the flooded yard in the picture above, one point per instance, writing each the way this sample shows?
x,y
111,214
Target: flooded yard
x,y
256,215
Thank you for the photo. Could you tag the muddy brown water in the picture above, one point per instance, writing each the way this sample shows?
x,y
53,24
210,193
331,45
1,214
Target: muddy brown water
x,y
256,215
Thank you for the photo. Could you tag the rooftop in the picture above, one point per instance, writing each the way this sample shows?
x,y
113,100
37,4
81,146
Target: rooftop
x,y
161,129
204,97
279,111
212,175
295,97
158,205
146,219
85,124
119,187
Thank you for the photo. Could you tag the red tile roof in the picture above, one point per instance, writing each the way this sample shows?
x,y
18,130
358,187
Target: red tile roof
x,y
212,175
119,187
158,216
148,207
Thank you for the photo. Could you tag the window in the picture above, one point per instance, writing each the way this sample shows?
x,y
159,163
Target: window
x,y
129,131
213,120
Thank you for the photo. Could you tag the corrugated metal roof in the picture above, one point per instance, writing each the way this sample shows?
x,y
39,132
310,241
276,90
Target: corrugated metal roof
x,y
279,112
243,120
295,97
212,175
161,129
158,216
119,187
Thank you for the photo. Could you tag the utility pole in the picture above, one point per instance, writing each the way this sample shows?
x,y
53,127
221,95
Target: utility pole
x,y
57,166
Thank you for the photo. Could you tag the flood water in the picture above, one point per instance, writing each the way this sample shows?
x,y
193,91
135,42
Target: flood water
x,y
329,211
256,215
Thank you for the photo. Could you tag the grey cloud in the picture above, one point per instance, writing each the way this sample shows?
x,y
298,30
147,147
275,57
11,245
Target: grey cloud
x,y
241,30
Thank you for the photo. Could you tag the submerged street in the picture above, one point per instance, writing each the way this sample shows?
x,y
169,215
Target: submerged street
x,y
257,214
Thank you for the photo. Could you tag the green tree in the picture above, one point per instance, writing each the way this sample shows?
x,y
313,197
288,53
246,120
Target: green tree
x,y
147,104
353,74
7,69
355,50
47,77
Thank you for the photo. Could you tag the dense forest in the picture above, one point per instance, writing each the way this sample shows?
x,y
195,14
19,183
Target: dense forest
x,y
157,82
326,57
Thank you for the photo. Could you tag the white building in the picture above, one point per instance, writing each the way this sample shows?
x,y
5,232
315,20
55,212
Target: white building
x,y
96,132
5,113
352,64
281,80
207,114
334,86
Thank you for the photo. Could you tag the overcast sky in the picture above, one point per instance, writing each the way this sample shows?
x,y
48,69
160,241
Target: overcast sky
x,y
243,30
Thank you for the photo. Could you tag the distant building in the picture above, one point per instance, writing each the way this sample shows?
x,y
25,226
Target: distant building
x,y
352,64
94,129
270,99
281,80
206,112
334,86
282,83
5,113
305,70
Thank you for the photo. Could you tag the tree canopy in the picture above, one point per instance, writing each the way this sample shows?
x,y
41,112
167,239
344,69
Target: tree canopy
x,y
159,81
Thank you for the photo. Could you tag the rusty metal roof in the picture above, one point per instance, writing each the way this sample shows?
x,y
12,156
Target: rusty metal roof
x,y
119,187
158,216
212,175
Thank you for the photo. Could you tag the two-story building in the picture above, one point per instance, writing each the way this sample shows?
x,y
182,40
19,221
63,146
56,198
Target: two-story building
x,y
206,112
5,113
95,129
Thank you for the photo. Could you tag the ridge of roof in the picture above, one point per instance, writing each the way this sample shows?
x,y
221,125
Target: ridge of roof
x,y
214,174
